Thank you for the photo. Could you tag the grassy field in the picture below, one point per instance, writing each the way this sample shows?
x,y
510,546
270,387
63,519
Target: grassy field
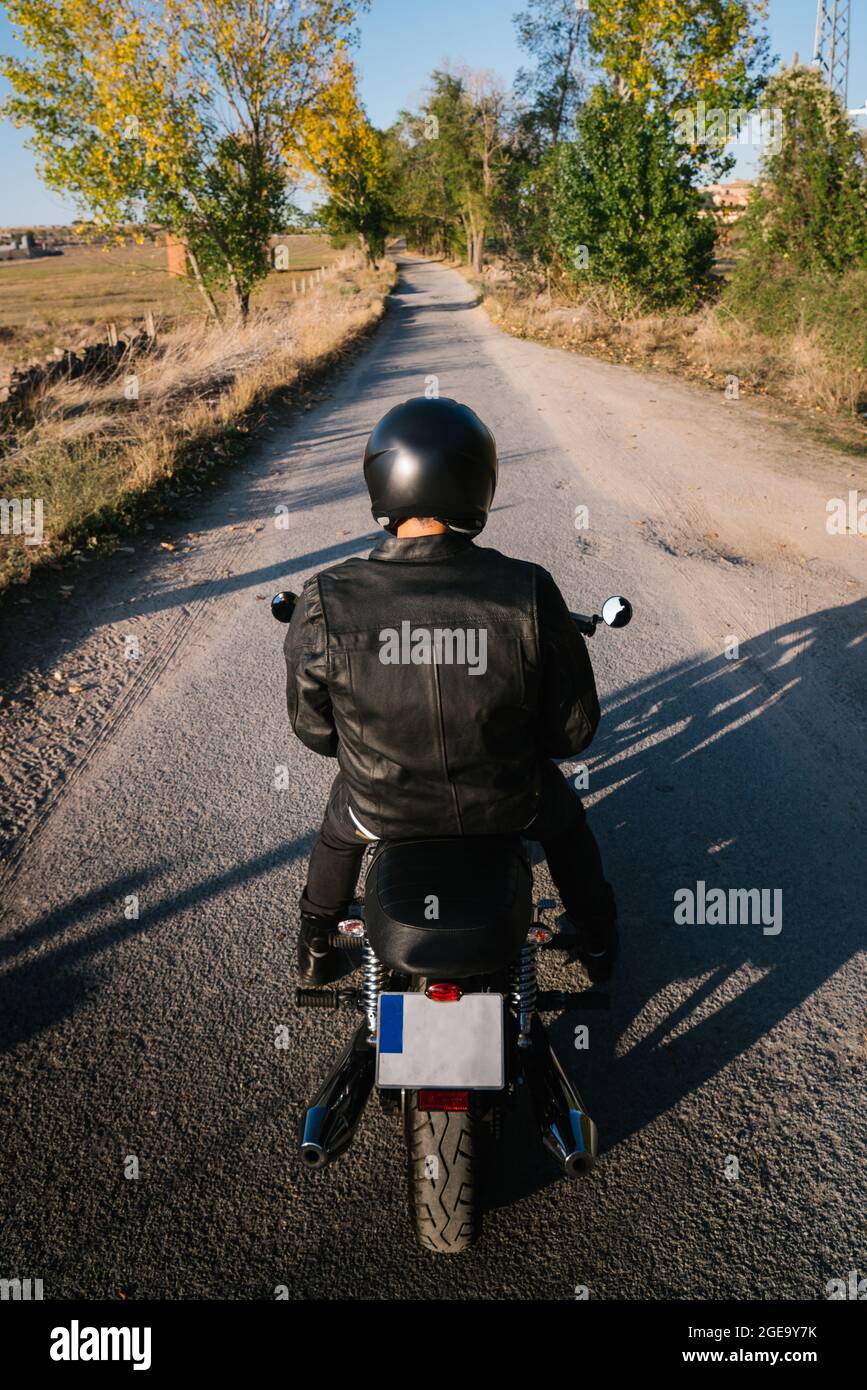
x,y
102,462
66,300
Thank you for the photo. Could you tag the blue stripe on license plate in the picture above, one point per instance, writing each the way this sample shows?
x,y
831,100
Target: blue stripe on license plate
x,y
391,1023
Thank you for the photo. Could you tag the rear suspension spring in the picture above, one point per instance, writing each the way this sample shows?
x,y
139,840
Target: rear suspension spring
x,y
524,990
372,986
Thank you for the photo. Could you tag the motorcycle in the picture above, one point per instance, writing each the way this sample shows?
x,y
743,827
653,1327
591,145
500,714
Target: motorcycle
x,y
449,939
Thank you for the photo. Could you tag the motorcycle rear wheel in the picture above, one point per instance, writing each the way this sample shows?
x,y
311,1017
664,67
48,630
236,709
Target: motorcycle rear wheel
x,y
443,1149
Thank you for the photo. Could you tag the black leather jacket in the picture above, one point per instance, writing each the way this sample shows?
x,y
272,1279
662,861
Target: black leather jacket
x,y
444,733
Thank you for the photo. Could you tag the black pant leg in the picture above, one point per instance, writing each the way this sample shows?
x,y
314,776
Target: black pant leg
x,y
335,861
578,874
573,856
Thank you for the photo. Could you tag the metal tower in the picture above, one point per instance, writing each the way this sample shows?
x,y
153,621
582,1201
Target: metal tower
x,y
831,51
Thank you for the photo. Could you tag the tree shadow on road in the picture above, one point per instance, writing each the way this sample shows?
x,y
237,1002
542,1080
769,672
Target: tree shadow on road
x,y
711,771
52,982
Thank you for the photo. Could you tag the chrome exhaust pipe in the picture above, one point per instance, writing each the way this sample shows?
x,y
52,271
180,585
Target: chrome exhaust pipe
x,y
565,1128
332,1117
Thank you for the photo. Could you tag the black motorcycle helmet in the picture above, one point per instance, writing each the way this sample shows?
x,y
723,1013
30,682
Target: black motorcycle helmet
x,y
431,457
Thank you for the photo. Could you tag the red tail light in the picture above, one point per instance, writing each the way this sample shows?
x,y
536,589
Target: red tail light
x,y
443,1100
443,993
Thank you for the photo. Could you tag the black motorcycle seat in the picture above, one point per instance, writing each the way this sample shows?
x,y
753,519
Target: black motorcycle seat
x,y
448,907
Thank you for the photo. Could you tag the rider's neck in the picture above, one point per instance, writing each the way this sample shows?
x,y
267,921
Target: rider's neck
x,y
420,526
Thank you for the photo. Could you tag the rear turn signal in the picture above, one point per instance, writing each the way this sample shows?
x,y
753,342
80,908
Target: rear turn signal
x,y
443,1100
442,993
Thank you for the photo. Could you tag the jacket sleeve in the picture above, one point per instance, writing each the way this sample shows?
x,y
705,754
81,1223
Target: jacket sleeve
x,y
307,695
568,705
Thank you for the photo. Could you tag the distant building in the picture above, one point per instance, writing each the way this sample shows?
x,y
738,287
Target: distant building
x,y
728,201
26,248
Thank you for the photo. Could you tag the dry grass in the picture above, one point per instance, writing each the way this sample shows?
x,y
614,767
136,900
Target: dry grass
x,y
803,366
799,367
63,301
99,459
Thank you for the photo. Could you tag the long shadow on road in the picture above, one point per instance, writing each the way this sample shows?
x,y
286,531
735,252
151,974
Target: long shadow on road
x,y
42,990
701,778
706,773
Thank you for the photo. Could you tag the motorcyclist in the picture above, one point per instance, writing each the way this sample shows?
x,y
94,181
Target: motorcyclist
x,y
444,677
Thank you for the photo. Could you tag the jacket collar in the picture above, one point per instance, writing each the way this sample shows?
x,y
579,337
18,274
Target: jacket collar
x,y
422,549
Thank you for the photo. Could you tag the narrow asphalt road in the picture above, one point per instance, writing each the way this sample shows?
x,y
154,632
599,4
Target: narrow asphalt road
x,y
149,1119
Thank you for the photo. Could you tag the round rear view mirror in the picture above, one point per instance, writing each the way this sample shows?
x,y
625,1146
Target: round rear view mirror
x,y
616,611
283,605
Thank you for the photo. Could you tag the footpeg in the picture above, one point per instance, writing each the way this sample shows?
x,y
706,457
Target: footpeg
x,y
308,997
343,941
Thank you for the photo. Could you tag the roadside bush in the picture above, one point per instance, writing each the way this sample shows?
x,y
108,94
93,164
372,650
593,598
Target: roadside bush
x,y
624,191
809,207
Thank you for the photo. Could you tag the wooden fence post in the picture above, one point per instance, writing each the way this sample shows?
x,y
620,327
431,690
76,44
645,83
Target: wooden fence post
x,y
176,256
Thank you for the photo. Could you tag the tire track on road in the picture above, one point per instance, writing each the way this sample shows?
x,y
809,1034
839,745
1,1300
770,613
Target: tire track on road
x,y
181,628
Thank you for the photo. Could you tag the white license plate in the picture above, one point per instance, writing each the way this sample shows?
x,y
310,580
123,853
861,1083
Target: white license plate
x,y
430,1043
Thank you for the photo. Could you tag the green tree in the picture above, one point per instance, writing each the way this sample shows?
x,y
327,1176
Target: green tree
x,y
241,199
523,210
625,211
555,33
336,143
422,210
808,210
673,54
453,152
176,113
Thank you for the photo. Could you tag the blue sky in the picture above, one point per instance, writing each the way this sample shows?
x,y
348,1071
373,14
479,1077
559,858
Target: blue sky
x,y
401,41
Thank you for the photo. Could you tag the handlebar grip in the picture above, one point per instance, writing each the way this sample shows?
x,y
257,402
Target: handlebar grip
x,y
586,626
